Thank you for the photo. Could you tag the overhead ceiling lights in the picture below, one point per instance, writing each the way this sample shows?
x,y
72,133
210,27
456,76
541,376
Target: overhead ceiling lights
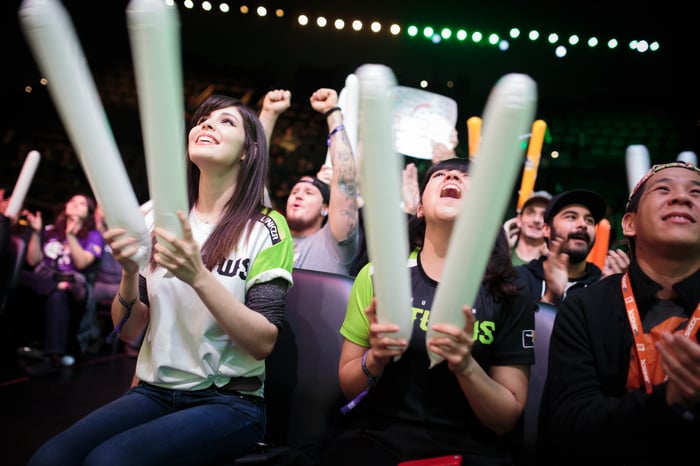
x,y
561,44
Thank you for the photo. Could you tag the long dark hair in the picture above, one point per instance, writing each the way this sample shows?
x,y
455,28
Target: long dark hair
x,y
59,225
247,201
500,273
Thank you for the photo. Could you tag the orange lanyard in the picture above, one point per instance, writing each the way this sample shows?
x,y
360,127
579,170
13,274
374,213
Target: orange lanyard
x,y
641,347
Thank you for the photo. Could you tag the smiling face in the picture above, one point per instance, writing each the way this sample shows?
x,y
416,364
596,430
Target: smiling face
x,y
667,217
531,220
576,225
217,138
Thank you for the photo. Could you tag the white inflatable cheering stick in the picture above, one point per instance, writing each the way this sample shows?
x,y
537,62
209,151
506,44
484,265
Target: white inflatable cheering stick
x,y
155,45
19,192
637,163
58,54
380,176
508,115
688,156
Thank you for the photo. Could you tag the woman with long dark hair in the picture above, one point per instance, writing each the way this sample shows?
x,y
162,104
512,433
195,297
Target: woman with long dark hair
x,y
213,303
468,403
64,256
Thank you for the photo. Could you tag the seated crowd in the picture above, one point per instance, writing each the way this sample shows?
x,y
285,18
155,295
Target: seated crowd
x,y
206,310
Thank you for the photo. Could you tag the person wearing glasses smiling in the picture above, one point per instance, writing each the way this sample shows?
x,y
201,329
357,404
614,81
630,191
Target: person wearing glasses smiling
x,y
623,384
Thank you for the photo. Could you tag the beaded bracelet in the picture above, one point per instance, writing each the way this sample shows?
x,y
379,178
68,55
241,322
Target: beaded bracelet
x,y
128,306
334,109
340,127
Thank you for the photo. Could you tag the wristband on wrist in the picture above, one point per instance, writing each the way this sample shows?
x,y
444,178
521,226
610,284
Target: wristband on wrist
x,y
334,109
128,306
370,378
340,127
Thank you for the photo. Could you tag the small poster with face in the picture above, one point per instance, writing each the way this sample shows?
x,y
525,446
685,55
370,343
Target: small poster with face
x,y
421,119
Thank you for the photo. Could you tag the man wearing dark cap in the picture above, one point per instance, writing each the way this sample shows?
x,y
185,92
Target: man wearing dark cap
x,y
525,231
570,225
324,219
623,384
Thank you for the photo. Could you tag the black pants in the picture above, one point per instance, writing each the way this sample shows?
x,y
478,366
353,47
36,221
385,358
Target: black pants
x,y
57,311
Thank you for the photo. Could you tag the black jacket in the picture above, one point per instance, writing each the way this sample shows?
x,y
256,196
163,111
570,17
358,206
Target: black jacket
x,y
532,277
586,412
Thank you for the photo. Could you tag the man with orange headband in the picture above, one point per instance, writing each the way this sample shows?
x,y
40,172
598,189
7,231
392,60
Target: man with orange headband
x,y
623,383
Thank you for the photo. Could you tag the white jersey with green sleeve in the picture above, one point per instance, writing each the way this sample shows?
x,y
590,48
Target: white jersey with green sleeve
x,y
185,347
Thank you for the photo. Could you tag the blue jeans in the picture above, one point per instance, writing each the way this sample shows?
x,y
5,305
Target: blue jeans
x,y
153,426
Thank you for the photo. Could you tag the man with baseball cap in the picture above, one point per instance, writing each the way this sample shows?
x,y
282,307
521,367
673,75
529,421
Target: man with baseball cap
x,y
525,230
570,225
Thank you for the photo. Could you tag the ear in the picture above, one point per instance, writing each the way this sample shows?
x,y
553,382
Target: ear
x,y
419,210
628,224
546,231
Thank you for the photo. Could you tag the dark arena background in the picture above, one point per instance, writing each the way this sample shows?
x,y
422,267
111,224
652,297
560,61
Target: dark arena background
x,y
595,100
609,75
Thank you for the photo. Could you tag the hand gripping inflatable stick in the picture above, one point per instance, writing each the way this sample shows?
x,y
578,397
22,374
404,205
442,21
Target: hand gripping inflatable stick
x,y
154,36
380,175
508,113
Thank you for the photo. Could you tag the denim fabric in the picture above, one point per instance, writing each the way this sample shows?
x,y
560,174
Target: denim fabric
x,y
156,426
